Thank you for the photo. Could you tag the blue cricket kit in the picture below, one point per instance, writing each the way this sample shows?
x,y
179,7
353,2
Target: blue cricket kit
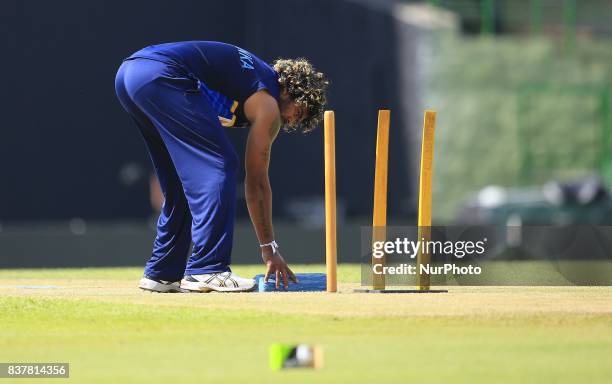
x,y
180,96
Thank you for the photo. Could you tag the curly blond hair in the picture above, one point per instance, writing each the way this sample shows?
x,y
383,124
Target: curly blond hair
x,y
306,87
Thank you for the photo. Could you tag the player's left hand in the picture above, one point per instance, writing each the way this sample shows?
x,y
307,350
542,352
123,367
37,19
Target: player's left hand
x,y
276,264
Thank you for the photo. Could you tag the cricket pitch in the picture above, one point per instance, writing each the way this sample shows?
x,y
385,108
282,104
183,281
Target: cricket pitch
x,y
111,332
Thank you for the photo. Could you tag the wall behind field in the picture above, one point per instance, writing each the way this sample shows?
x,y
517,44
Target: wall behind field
x,y
67,148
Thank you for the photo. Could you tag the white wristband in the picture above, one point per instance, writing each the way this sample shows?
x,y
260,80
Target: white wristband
x,y
272,244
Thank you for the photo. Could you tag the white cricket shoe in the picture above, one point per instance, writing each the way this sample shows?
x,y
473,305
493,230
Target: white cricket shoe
x,y
162,286
220,282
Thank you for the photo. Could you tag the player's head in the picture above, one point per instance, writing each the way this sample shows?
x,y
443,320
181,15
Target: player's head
x,y
302,94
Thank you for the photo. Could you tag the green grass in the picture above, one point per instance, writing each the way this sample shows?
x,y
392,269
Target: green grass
x,y
112,333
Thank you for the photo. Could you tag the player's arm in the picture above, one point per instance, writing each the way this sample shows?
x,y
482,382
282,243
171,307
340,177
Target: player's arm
x,y
261,109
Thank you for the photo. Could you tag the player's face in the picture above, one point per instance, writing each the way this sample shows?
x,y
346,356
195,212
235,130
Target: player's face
x,y
292,114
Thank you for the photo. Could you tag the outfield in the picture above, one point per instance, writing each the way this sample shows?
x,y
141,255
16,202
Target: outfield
x,y
111,332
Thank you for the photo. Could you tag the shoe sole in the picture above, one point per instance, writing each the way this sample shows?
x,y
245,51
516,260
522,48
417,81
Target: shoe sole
x,y
193,286
154,286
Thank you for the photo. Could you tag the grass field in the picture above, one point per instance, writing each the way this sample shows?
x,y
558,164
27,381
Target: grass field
x,y
111,332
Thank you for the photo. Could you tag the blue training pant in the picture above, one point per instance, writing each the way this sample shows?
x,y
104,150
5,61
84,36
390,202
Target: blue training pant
x,y
195,164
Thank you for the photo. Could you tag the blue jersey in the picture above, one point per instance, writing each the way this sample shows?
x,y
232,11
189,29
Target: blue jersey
x,y
228,74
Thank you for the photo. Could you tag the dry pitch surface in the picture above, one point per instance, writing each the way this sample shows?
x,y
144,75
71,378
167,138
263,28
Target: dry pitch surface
x,y
111,332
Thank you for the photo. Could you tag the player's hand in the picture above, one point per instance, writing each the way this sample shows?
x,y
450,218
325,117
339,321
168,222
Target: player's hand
x,y
277,266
